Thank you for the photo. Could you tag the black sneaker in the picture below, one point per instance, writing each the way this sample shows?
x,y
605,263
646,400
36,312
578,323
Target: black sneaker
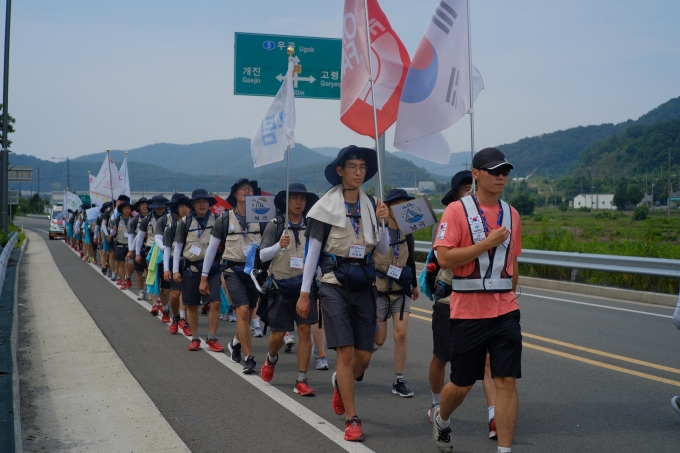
x,y
399,388
235,351
360,378
104,270
249,366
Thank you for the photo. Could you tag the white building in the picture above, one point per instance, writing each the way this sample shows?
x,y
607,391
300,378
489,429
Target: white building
x,y
595,201
426,186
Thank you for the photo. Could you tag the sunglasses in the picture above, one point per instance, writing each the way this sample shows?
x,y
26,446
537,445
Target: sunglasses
x,y
505,171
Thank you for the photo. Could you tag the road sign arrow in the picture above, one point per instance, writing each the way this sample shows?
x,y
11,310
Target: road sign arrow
x,y
280,78
309,79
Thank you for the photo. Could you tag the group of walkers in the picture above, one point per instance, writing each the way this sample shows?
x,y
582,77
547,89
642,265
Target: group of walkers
x,y
339,269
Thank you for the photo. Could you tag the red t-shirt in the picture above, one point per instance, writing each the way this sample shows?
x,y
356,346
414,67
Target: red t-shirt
x,y
454,232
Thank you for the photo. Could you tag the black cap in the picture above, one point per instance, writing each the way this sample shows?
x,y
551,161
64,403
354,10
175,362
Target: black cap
x,y
157,202
202,194
460,178
348,153
490,158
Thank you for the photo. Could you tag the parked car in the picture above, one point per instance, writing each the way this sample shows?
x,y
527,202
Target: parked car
x,y
57,223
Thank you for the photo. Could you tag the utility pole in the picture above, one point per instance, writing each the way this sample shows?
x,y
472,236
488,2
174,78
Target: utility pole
x,y
4,153
669,184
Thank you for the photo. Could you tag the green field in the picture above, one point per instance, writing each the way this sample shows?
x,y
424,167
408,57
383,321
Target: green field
x,y
601,232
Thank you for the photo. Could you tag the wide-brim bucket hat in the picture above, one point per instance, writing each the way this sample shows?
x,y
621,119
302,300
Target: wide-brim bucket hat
x,y
296,187
122,197
176,202
140,201
460,178
105,206
122,205
231,199
348,153
157,201
395,195
202,194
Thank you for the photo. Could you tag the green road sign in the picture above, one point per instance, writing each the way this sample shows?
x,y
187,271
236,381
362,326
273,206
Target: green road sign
x,y
85,199
261,62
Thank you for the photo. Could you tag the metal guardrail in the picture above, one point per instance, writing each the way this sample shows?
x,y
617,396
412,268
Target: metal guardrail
x,y
609,263
4,256
38,216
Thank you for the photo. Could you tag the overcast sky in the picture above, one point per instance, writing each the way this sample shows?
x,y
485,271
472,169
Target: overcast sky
x,y
89,75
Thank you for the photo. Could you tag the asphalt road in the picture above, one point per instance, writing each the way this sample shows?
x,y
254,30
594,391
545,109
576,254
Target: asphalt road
x,y
598,375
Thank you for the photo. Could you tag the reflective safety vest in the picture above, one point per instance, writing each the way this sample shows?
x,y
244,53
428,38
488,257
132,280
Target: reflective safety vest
x,y
489,274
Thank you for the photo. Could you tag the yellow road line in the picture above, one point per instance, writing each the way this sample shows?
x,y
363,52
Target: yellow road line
x,y
591,351
420,317
603,365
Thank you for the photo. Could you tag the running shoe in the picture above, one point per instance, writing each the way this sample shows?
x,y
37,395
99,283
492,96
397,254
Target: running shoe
x,y
123,287
267,370
94,262
174,327
442,437
141,295
195,345
303,389
257,331
360,378
230,316
336,402
104,271
155,308
215,345
289,342
119,281
249,366
186,330
353,429
82,254
235,351
429,412
492,429
128,282
399,388
315,353
113,277
109,273
204,309
182,322
322,363
675,403
166,317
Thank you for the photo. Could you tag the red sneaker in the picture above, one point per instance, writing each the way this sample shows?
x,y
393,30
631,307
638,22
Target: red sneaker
x,y
215,345
186,330
336,402
195,345
82,254
303,389
182,323
155,309
353,429
492,429
123,287
94,262
174,327
166,317
267,370
128,283
119,281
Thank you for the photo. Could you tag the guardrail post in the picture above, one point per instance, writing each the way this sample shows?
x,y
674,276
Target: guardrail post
x,y
574,273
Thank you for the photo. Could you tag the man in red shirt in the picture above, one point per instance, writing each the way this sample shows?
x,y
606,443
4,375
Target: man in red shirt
x,y
479,239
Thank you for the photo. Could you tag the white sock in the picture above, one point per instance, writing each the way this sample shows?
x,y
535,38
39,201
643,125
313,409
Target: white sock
x,y
436,397
491,412
235,341
443,423
182,314
255,322
504,449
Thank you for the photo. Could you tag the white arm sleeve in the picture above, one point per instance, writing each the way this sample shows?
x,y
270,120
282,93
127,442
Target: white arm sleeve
x,y
77,225
105,230
176,256
131,241
269,253
166,258
313,252
96,231
158,238
210,255
383,244
140,241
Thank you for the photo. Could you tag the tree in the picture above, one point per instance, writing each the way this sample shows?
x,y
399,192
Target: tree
x,y
524,203
621,196
635,195
10,128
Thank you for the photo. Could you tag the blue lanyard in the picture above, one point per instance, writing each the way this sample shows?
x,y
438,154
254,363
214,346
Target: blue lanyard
x,y
202,225
396,246
351,218
499,222
242,222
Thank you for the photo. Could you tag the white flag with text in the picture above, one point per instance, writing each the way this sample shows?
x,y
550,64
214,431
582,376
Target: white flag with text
x,y
72,201
122,187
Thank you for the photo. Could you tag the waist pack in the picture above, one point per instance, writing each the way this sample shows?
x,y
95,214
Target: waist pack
x,y
290,287
185,264
405,278
355,275
239,270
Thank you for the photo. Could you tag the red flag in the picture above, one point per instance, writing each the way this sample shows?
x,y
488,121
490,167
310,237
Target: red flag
x,y
390,61
220,207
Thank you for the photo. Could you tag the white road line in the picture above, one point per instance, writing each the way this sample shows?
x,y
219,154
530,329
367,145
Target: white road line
x,y
308,416
599,306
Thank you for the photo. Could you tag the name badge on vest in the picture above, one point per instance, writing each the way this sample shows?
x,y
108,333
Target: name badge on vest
x,y
296,262
357,251
394,272
196,250
246,249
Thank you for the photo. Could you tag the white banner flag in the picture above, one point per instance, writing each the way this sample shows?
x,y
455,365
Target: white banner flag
x,y
123,185
72,201
437,90
100,187
277,129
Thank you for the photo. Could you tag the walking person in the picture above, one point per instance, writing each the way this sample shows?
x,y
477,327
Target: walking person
x,y
148,237
120,235
342,234
180,207
139,266
479,238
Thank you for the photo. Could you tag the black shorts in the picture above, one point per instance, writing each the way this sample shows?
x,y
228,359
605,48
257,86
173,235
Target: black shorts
x,y
347,325
471,339
120,253
190,292
441,328
283,316
140,267
164,284
241,292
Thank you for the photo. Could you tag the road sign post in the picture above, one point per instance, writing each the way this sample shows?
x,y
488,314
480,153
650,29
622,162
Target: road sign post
x,y
260,65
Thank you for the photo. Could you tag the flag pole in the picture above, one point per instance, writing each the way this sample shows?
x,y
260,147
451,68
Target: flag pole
x,y
108,159
375,113
291,52
471,110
